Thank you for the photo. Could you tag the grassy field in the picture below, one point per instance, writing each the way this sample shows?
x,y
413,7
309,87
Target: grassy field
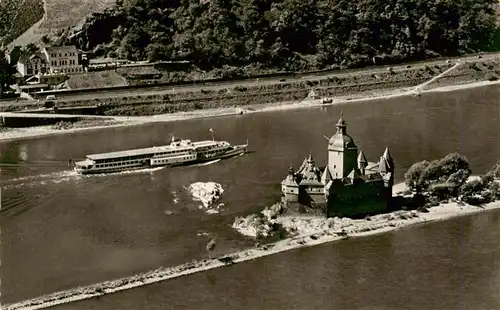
x,y
96,80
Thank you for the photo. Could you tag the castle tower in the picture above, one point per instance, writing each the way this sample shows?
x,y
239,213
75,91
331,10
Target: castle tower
x,y
362,162
290,187
342,152
388,158
310,174
386,169
312,190
310,162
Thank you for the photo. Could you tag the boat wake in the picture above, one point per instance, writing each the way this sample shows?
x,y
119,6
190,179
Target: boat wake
x,y
207,163
64,176
40,179
125,172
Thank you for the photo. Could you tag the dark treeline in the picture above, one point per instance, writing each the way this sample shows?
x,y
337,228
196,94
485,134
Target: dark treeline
x,y
290,34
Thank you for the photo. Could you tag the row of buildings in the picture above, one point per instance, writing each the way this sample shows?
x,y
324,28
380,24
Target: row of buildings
x,y
349,185
49,60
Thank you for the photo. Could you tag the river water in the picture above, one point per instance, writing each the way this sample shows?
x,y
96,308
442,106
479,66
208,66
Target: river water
x,y
60,230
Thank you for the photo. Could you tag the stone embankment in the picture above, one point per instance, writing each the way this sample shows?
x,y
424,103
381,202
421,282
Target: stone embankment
x,y
296,89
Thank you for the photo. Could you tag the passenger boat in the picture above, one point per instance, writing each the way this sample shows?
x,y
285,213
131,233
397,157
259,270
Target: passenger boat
x,y
178,152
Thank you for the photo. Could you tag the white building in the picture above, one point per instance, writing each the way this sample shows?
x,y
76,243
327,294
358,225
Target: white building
x,y
32,65
63,59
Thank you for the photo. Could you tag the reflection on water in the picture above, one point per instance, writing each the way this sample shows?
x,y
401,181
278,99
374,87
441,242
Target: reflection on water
x,y
61,230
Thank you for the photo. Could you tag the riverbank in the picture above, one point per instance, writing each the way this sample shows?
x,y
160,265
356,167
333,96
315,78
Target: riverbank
x,y
9,134
310,235
204,94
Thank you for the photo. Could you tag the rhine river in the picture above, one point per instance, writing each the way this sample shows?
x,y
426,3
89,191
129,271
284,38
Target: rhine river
x,y
60,230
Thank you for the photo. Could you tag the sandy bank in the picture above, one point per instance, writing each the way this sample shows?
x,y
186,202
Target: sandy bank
x,y
32,132
310,235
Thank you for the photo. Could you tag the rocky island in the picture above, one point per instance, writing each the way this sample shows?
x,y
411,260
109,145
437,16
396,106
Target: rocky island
x,y
317,201
432,191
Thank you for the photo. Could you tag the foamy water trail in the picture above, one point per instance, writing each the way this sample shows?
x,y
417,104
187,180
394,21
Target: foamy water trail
x,y
64,176
207,163
126,172
40,179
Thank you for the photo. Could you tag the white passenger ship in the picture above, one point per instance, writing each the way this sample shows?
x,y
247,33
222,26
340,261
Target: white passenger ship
x,y
178,152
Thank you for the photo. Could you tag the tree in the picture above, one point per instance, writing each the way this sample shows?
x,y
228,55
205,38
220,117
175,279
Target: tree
x,y
133,45
470,192
6,74
295,22
494,172
291,34
31,49
439,171
45,40
334,32
476,24
413,175
457,179
451,171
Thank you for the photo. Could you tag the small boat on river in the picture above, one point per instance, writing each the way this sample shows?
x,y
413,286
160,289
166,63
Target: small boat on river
x,y
178,152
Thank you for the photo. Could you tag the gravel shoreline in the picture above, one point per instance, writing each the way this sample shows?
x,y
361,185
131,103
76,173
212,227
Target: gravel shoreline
x,y
119,121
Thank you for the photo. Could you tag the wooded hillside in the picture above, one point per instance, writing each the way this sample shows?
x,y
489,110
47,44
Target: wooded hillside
x,y
291,34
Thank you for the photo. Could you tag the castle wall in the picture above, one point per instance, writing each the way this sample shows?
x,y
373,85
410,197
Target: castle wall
x,y
357,199
310,195
290,193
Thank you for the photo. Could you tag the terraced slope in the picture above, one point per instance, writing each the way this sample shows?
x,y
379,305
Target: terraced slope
x,y
18,19
18,16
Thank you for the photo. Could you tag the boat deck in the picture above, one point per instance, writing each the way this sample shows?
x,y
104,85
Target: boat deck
x,y
151,150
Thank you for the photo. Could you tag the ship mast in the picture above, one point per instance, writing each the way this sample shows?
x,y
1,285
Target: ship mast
x,y
212,131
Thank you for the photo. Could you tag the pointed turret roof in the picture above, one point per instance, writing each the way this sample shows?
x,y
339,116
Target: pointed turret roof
x,y
382,166
341,122
328,186
362,158
327,176
387,156
290,178
310,173
303,165
310,159
353,175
